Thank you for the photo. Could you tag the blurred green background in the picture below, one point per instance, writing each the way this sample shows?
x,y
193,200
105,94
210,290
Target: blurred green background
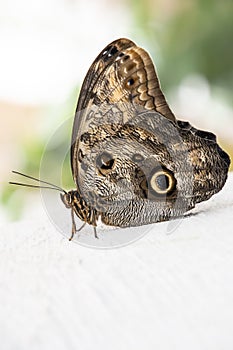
x,y
46,56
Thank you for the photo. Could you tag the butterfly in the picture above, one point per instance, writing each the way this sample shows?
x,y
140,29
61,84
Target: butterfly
x,y
133,162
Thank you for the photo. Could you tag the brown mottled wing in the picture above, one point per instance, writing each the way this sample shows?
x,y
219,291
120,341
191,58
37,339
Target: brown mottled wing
x,y
122,73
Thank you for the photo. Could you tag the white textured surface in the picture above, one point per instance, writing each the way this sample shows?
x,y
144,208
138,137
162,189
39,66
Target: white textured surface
x,y
161,292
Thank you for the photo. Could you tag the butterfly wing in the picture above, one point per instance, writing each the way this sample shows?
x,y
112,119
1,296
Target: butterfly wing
x,y
131,159
122,75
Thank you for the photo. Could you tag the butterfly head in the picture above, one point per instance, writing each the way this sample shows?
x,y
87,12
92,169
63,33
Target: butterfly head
x,y
85,210
68,199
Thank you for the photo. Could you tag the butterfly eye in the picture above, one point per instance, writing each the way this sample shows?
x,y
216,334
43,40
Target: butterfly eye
x,y
66,199
162,181
105,163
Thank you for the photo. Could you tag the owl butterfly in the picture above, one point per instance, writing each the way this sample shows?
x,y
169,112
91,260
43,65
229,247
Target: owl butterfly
x,y
132,161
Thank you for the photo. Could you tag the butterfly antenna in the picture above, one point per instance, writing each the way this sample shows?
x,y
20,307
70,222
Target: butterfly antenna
x,y
50,185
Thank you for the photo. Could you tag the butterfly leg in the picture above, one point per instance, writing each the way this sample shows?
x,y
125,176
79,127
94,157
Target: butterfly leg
x,y
95,232
81,227
73,225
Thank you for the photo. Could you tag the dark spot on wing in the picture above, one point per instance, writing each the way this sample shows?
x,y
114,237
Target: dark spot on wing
x,y
206,135
183,125
224,156
109,53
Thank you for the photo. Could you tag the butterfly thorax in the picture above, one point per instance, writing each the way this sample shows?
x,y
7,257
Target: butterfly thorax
x,y
85,211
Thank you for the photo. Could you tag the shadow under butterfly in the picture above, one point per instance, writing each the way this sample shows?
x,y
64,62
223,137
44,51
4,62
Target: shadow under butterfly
x,y
132,161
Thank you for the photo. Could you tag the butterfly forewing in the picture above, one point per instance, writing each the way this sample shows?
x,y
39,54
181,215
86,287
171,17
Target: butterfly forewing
x,y
122,78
